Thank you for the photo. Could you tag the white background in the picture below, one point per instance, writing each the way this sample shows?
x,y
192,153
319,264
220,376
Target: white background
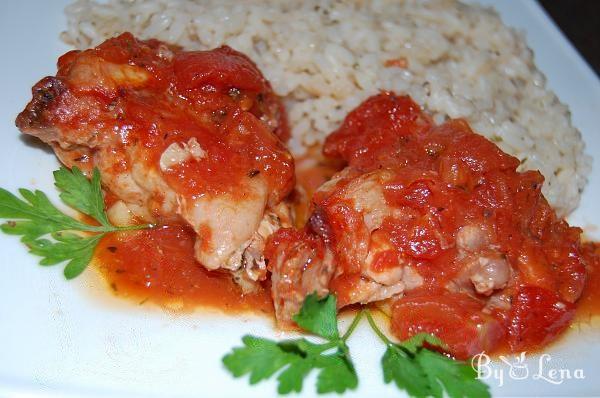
x,y
60,338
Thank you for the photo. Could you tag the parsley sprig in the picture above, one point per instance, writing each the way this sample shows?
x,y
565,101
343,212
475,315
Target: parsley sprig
x,y
262,358
413,365
52,234
423,372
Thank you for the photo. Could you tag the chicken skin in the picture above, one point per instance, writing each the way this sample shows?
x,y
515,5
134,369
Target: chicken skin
x,y
437,221
192,137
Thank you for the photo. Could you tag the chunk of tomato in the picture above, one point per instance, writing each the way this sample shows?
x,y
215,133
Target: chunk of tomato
x,y
537,317
222,67
455,318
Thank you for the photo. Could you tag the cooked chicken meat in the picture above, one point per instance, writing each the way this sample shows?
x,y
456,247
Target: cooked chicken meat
x,y
438,220
300,264
178,136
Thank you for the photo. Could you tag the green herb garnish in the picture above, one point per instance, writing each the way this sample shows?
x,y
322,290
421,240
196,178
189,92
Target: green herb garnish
x,y
410,364
422,372
67,239
262,358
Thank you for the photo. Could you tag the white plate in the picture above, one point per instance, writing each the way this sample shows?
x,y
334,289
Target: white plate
x,y
60,338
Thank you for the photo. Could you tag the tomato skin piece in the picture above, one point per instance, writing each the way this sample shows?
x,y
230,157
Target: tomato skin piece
x,y
222,68
369,131
343,286
455,318
537,317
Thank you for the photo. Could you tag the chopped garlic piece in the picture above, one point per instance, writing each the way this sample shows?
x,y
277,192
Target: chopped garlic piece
x,y
174,154
195,149
177,153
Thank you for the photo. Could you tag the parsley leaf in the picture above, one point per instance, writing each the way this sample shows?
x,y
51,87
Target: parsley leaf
x,y
337,374
319,316
423,372
457,378
82,194
38,215
34,217
75,249
415,343
399,367
259,357
412,365
292,378
295,359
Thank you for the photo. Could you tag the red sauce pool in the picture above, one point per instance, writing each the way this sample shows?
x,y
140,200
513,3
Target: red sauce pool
x,y
158,266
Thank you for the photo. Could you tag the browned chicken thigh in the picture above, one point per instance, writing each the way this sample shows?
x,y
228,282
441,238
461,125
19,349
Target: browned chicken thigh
x,y
192,137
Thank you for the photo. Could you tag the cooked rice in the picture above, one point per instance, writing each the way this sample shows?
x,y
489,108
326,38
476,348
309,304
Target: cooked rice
x,y
325,57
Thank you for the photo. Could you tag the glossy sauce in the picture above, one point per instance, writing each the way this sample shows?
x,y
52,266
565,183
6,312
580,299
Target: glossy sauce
x,y
132,107
158,266
142,276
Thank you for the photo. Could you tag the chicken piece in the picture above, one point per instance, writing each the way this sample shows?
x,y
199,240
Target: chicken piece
x,y
300,264
485,269
345,225
489,274
472,238
437,219
193,137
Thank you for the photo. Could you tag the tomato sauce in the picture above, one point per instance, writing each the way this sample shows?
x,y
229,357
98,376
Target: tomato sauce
x,y
158,266
588,305
449,175
312,171
439,180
